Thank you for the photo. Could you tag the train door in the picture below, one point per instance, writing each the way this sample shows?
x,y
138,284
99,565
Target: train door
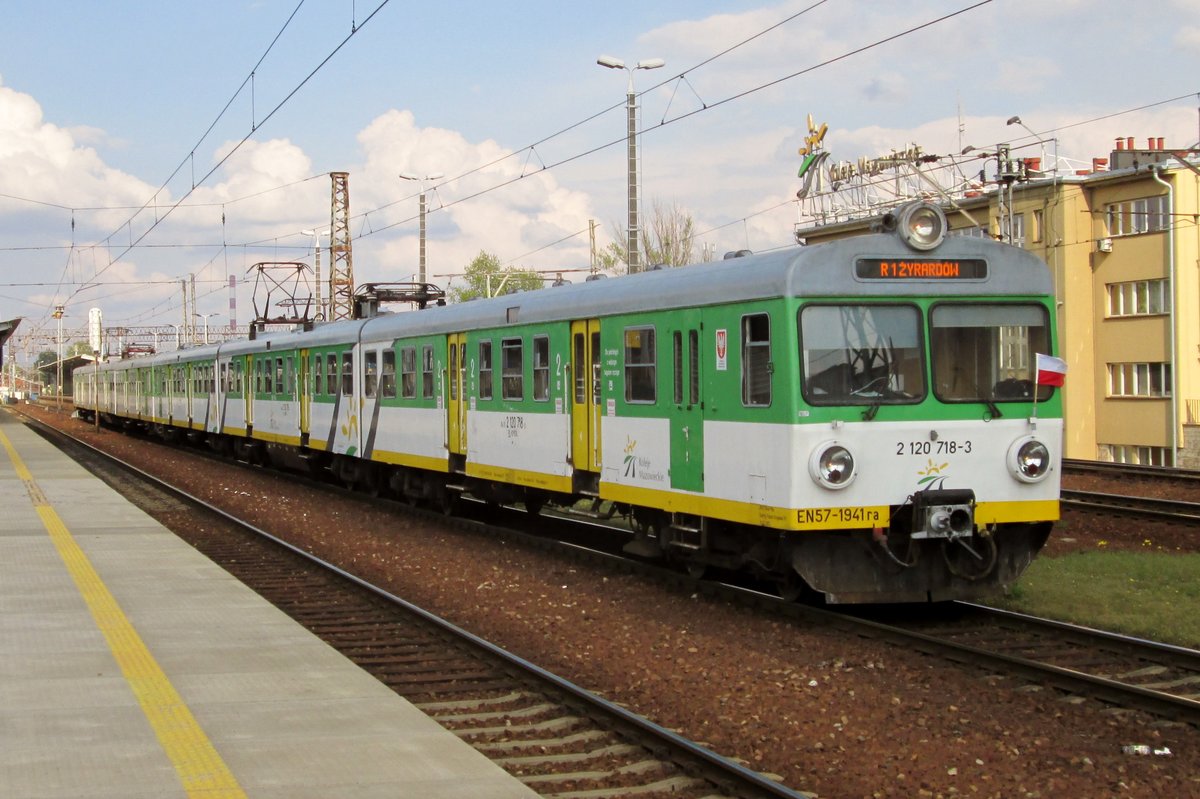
x,y
303,393
585,395
456,410
253,376
687,416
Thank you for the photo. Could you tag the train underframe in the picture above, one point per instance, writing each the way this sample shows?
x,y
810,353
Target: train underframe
x,y
848,566
881,565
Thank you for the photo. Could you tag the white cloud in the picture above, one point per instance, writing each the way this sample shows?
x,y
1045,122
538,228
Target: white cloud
x,y
1188,36
492,208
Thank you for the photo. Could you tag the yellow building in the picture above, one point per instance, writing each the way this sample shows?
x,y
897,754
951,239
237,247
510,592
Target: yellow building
x,y
1123,243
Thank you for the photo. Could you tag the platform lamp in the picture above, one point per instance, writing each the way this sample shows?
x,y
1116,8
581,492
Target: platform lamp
x,y
421,181
633,225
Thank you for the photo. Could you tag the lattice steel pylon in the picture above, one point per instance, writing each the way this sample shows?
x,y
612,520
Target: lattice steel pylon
x,y
341,260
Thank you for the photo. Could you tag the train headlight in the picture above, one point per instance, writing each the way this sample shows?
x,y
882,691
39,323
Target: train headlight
x,y
832,465
1029,460
921,225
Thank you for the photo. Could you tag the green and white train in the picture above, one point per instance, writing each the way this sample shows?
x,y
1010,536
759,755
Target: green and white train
x,y
860,418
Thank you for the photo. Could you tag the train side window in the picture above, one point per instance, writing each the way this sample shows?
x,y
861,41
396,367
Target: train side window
x,y
279,376
289,376
677,352
694,366
427,371
408,372
641,367
370,372
485,370
387,375
541,368
580,373
512,369
347,373
318,374
331,374
454,375
756,360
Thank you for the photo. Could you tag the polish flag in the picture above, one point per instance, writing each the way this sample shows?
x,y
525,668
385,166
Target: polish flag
x,y
1051,371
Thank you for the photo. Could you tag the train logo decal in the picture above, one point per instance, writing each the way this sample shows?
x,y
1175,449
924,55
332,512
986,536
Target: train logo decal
x,y
350,431
932,478
630,457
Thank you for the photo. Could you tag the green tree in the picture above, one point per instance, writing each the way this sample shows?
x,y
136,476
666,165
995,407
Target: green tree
x,y
668,238
45,358
485,277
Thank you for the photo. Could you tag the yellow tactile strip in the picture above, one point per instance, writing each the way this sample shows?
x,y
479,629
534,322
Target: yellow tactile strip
x,y
201,770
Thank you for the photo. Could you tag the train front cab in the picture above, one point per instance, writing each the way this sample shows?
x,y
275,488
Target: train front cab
x,y
927,382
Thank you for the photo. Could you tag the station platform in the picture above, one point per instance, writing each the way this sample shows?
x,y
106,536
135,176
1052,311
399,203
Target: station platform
x,y
131,666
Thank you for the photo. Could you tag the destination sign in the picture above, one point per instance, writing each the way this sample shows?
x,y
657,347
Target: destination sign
x,y
926,269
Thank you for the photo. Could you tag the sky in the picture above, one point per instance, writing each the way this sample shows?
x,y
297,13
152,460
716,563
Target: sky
x,y
145,143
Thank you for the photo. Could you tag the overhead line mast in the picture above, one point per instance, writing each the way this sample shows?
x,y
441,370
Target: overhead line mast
x,y
341,261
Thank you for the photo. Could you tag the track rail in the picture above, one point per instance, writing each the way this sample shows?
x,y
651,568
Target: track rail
x,y
558,738
1131,470
1130,672
1146,507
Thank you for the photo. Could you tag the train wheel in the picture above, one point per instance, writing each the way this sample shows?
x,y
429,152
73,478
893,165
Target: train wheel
x,y
449,501
696,570
533,504
791,588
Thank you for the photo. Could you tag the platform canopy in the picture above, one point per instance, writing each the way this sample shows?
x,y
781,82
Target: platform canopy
x,y
6,330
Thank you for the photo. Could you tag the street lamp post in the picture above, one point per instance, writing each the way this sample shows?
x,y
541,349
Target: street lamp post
x,y
421,181
632,221
205,316
317,234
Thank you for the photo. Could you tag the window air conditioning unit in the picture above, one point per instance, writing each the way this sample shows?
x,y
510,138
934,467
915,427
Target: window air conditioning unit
x,y
1105,245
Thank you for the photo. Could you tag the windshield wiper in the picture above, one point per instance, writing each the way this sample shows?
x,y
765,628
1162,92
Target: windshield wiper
x,y
989,401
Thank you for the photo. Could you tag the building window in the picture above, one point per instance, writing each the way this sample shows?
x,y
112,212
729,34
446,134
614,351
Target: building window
x,y
1017,239
541,368
756,360
973,232
512,375
1145,215
1131,453
1139,380
1038,222
1138,298
640,365
485,370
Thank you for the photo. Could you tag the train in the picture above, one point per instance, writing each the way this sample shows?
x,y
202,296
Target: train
x,y
859,420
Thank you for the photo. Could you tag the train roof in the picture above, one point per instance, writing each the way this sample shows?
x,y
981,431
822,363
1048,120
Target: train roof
x,y
823,270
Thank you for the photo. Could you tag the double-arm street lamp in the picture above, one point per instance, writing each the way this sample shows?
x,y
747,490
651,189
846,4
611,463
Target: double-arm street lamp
x,y
632,257
421,180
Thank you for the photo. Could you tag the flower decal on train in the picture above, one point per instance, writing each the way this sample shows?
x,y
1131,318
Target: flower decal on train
x,y
630,457
931,476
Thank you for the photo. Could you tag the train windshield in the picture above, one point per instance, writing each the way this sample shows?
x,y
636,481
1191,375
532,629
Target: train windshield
x,y
861,354
987,353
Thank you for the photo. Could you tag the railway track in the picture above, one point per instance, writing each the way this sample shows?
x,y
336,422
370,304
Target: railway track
x,y
1173,510
559,739
1123,671
1131,470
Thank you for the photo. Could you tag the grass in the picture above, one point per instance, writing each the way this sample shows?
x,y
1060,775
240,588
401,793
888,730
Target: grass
x,y
1147,594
